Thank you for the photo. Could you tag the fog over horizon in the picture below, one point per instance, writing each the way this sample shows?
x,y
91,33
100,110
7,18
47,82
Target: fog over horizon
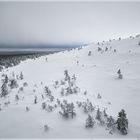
x,y
66,23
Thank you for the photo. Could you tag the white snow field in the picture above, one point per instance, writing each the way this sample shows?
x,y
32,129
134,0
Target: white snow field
x,y
95,74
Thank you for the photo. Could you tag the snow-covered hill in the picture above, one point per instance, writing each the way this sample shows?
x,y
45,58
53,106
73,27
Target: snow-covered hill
x,y
95,80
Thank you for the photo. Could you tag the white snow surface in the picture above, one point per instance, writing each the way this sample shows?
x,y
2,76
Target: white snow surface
x,y
95,74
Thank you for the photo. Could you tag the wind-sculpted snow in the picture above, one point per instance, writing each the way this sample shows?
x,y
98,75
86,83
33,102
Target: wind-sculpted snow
x,y
73,94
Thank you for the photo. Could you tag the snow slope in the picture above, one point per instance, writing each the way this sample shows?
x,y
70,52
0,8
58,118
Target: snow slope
x,y
95,74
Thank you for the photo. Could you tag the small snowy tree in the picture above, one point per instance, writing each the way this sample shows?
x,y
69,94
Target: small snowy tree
x,y
27,108
122,122
6,79
47,90
106,49
111,124
139,43
89,122
104,112
120,76
98,115
89,53
43,105
35,100
46,127
13,84
66,75
21,76
4,89
99,96
16,97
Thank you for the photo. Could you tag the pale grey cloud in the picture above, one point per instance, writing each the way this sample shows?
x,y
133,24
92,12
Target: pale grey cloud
x,y
67,22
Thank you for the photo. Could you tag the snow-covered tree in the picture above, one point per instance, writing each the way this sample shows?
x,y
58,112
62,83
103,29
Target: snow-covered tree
x,y
21,76
85,92
89,122
98,115
104,112
25,84
43,105
13,84
27,108
66,75
6,79
99,96
47,90
35,100
4,89
62,92
106,49
122,122
99,49
89,53
120,76
111,124
46,127
16,97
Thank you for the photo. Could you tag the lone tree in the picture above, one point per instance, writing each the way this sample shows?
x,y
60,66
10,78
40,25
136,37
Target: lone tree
x,y
139,43
89,122
122,122
4,89
89,53
120,76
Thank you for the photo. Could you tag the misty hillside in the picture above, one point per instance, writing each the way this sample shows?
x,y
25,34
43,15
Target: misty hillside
x,y
35,93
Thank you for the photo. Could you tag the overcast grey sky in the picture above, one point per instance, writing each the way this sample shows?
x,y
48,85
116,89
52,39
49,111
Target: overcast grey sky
x,y
67,22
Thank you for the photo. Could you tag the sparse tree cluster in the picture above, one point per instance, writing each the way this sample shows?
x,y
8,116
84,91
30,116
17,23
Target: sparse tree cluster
x,y
67,110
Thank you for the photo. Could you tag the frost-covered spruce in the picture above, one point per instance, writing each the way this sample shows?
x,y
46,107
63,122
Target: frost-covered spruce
x,y
13,84
25,84
111,124
47,90
85,92
99,96
89,53
99,49
58,101
20,89
62,92
5,79
120,76
122,122
106,49
21,76
66,75
98,115
43,105
35,100
4,89
74,77
46,127
16,97
62,82
49,108
89,122
27,108
104,112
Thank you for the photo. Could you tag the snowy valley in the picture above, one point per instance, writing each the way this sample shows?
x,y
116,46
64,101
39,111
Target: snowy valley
x,y
73,94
